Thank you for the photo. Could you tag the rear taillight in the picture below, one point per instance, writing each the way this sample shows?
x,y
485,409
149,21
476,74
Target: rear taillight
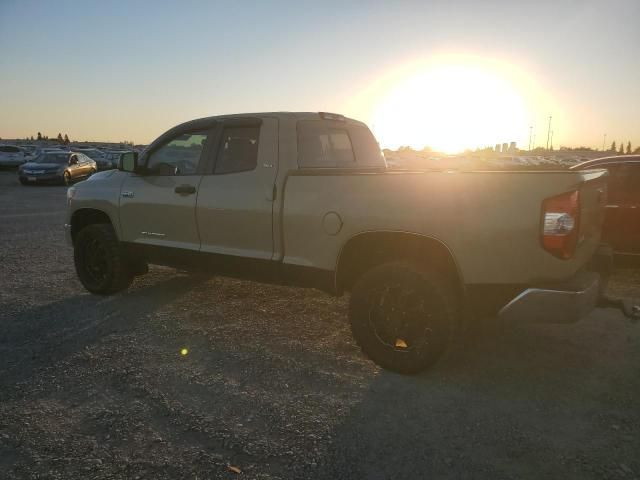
x,y
560,224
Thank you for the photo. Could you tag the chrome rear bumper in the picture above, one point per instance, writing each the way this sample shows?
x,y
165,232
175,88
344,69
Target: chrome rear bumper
x,y
563,304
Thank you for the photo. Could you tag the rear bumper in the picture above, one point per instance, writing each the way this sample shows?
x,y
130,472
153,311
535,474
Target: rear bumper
x,y
42,178
566,303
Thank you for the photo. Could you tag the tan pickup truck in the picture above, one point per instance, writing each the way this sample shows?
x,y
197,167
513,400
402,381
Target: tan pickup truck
x,y
306,199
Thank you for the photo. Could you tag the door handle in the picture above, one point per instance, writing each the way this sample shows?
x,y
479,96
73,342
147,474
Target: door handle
x,y
185,189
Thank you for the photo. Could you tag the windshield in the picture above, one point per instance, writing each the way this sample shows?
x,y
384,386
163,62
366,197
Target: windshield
x,y
60,158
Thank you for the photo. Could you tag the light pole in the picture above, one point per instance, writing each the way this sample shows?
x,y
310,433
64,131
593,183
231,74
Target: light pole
x,y
530,133
549,132
551,143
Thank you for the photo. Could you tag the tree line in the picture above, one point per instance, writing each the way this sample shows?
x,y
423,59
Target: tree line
x,y
64,140
621,150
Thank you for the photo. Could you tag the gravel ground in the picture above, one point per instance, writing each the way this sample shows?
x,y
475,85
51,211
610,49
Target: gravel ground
x,y
273,386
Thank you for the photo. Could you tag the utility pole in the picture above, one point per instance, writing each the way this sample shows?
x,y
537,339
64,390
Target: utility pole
x,y
530,133
604,141
549,132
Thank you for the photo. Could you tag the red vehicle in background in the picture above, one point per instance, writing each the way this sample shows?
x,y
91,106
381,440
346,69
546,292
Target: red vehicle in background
x,y
621,228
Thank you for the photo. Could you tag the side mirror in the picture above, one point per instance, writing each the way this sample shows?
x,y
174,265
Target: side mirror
x,y
128,162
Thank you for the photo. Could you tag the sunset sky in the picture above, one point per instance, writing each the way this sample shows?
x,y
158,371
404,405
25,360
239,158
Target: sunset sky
x,y
448,74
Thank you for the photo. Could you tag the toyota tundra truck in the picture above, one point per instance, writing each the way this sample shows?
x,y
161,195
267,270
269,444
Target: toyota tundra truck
x,y
306,199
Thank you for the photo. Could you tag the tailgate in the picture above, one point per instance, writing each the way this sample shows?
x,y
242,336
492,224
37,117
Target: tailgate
x,y
593,198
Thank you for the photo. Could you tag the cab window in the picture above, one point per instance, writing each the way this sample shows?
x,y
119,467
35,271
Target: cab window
x,y
323,146
180,156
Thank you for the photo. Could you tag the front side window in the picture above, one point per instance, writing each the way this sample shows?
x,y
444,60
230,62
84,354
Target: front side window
x,y
618,184
631,183
180,156
238,150
322,146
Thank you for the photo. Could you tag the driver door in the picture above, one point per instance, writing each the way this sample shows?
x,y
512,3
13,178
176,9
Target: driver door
x,y
158,206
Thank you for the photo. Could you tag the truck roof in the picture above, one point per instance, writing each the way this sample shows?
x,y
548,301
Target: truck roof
x,y
207,122
281,115
604,161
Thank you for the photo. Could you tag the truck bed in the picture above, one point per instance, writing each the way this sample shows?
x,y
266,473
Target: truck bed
x,y
489,220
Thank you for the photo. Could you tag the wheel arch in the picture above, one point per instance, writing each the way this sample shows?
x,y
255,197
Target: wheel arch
x,y
88,216
368,249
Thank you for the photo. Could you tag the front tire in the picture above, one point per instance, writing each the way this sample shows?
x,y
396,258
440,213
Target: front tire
x,y
99,262
402,317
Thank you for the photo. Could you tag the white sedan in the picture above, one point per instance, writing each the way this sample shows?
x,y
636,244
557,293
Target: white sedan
x,y
11,156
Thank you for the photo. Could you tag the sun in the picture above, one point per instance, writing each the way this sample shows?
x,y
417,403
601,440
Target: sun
x,y
451,107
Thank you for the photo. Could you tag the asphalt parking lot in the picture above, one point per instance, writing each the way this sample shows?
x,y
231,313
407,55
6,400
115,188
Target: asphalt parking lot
x,y
273,386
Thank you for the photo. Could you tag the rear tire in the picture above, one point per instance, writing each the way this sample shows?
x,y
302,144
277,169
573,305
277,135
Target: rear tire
x,y
66,178
402,317
24,182
99,261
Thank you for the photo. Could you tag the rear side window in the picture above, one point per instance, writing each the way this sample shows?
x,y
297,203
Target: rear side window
x,y
238,150
323,146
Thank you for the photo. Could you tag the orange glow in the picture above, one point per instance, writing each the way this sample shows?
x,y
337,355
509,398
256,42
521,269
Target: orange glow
x,y
453,103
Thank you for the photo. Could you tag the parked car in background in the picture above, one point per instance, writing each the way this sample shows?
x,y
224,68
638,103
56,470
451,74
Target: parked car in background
x,y
57,167
98,156
11,156
43,150
30,151
621,227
